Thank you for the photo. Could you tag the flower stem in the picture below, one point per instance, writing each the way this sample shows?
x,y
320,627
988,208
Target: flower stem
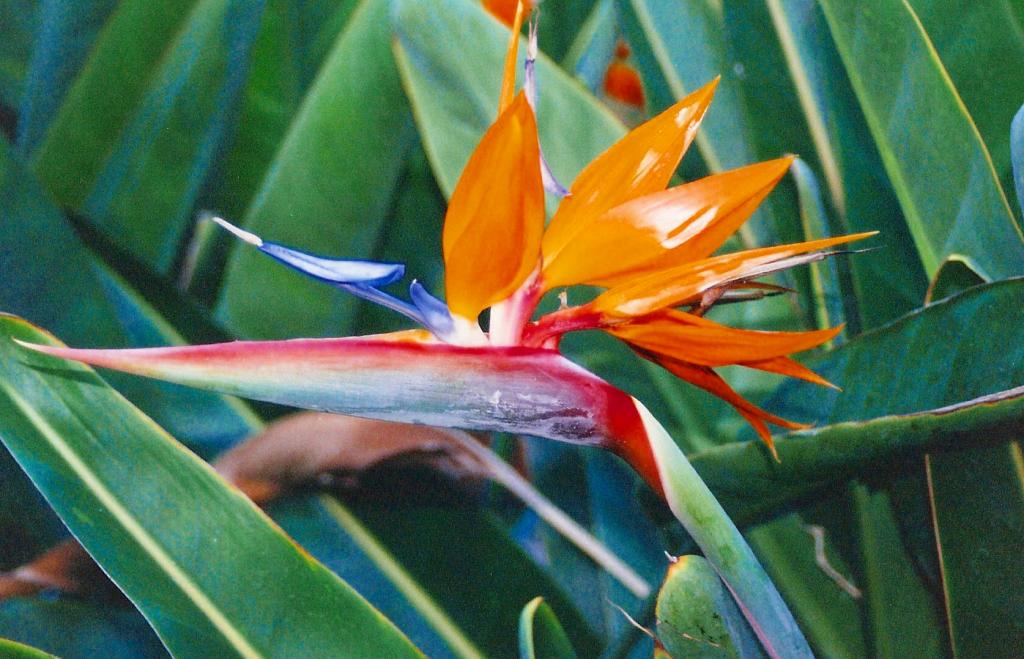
x,y
724,546
501,472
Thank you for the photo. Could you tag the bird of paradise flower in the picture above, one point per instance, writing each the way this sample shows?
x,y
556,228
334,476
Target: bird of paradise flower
x,y
653,251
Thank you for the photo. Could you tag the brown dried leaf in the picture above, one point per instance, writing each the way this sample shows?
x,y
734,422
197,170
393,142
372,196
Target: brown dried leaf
x,y
296,451
315,447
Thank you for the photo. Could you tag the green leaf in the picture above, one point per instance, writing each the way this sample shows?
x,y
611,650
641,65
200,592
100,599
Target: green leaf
x,y
856,189
68,291
978,515
66,34
834,298
294,39
594,46
540,633
955,275
960,510
332,534
135,136
749,482
925,136
703,517
901,614
328,189
939,356
982,46
1017,153
20,19
76,629
450,56
696,615
19,650
827,613
604,495
69,431
483,600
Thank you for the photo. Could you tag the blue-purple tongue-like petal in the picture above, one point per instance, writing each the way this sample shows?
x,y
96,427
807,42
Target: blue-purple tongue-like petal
x,y
434,313
551,183
335,271
332,271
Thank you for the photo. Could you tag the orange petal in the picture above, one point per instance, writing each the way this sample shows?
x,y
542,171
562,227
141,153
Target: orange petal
x,y
640,163
791,368
686,283
666,228
708,380
701,341
511,14
622,82
495,218
506,10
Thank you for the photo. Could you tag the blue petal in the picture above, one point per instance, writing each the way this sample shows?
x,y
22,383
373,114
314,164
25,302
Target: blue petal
x,y
335,271
434,313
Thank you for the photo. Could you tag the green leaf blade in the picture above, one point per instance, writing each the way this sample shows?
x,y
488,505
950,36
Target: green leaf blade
x,y
541,635
328,189
925,135
136,134
70,432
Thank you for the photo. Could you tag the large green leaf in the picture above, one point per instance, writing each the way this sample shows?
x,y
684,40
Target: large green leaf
x,y
936,357
135,136
750,483
294,39
79,629
834,299
20,19
925,137
190,573
601,493
328,188
295,36
855,185
484,600
827,613
901,614
52,279
65,35
332,534
981,44
978,515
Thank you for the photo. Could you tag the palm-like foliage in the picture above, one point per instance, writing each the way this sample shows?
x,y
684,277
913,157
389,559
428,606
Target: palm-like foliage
x,y
341,127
